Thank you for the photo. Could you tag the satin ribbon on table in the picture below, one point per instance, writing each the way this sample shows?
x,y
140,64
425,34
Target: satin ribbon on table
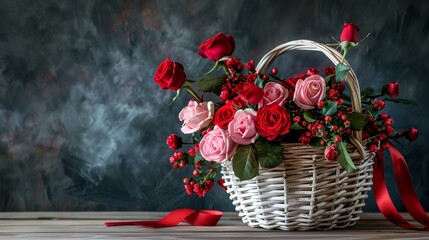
x,y
406,191
194,217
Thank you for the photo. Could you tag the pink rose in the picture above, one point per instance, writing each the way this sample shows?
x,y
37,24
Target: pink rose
x,y
309,92
196,116
242,128
217,146
274,93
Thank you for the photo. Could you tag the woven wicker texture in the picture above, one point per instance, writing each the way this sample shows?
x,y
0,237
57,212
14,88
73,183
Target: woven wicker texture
x,y
305,191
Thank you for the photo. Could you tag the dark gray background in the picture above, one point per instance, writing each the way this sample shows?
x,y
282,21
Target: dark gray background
x,y
83,125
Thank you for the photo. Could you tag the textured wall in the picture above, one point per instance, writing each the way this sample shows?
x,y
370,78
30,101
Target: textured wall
x,y
83,125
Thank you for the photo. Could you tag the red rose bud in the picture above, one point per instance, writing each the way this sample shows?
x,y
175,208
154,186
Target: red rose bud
x,y
412,134
174,142
329,71
331,154
333,94
312,71
232,64
250,66
379,104
349,33
170,75
389,130
393,89
217,47
224,95
304,139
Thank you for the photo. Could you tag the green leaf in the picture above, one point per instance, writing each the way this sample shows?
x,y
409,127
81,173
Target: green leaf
x,y
198,157
211,83
217,65
296,126
259,82
341,71
344,158
367,92
178,93
269,154
402,100
309,117
245,163
357,120
329,108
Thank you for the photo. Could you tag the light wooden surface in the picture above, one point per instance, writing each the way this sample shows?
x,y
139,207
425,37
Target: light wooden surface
x,y
89,225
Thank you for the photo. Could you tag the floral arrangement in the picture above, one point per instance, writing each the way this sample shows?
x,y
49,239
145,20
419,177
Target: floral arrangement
x,y
253,112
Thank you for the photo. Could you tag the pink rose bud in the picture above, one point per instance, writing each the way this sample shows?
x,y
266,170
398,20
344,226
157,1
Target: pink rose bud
x,y
309,92
242,128
196,116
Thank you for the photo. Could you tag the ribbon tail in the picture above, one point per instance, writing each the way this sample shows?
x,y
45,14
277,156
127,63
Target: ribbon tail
x,y
406,190
194,217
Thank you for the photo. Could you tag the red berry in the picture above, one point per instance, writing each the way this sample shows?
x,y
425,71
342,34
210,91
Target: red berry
x,y
348,109
265,77
322,143
320,104
339,114
304,123
334,127
182,164
340,102
323,134
347,123
344,117
348,131
297,119
328,119
334,146
274,71
337,139
195,172
185,180
176,165
340,129
173,159
320,127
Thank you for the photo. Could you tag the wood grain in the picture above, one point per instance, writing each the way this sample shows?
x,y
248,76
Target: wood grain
x,y
89,225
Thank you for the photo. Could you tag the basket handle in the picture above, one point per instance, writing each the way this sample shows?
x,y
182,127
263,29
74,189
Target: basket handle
x,y
335,57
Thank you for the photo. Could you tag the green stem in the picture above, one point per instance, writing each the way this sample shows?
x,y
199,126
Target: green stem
x,y
195,95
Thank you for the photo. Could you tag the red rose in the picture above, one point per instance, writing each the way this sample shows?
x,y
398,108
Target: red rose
x,y
393,89
170,75
174,142
272,121
239,101
349,33
412,134
331,154
224,115
250,91
217,47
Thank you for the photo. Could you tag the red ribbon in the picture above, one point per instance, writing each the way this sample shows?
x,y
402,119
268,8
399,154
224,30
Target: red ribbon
x,y
406,191
194,217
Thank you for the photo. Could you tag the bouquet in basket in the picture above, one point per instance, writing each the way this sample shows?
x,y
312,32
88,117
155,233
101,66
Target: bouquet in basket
x,y
242,115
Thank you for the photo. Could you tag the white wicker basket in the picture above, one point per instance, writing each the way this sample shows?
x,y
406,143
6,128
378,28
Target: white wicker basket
x,y
305,191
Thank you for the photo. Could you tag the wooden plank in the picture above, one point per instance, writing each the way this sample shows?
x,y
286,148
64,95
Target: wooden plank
x,y
89,225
